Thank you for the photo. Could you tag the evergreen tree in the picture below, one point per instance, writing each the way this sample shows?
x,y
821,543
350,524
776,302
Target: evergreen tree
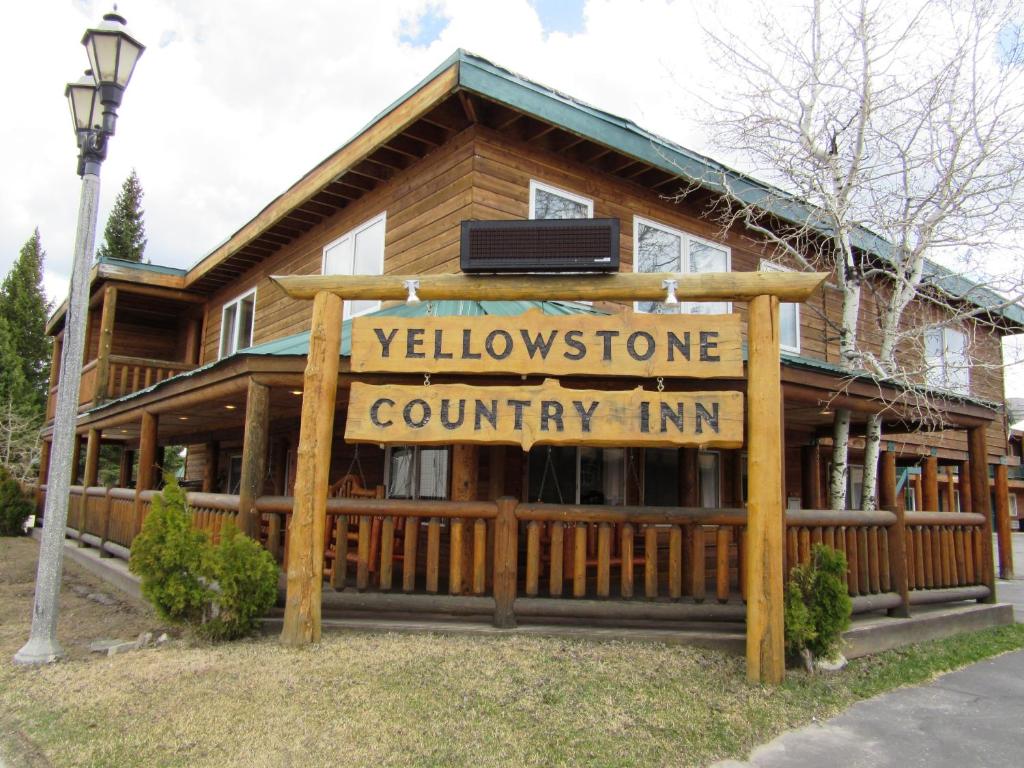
x,y
24,308
13,387
125,234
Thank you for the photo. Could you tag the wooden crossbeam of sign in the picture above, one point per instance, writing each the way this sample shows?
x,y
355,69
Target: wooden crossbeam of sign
x,y
630,344
548,414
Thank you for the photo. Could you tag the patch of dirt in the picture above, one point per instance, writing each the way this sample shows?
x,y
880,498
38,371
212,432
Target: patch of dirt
x,y
90,609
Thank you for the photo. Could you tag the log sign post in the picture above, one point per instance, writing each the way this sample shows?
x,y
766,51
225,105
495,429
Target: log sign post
x,y
548,413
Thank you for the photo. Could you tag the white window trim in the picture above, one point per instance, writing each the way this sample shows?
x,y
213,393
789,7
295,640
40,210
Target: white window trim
x,y
684,255
379,218
771,266
943,364
535,185
223,311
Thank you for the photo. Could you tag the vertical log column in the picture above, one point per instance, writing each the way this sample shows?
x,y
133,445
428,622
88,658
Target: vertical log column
x,y
465,474
950,490
124,470
254,457
1002,490
92,458
211,467
977,450
106,343
147,463
76,459
964,476
810,477
887,480
765,641
309,515
930,484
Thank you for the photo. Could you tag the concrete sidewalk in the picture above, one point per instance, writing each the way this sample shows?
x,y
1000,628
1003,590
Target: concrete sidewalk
x,y
971,717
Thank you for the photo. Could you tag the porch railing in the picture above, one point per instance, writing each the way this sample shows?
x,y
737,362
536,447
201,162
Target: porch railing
x,y
130,374
557,561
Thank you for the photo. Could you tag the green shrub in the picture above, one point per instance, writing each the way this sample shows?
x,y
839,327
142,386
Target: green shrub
x,y
168,556
15,506
243,577
818,608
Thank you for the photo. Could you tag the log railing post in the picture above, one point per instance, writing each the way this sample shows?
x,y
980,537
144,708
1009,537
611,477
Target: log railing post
x,y
506,556
977,451
105,525
106,343
1005,538
765,638
254,457
312,475
897,533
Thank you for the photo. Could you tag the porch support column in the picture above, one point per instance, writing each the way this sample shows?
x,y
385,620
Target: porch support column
x,y
211,467
496,478
810,477
465,474
92,458
765,640
124,475
887,480
930,483
254,457
76,459
279,466
950,490
964,476
147,463
977,450
106,343
306,530
1002,490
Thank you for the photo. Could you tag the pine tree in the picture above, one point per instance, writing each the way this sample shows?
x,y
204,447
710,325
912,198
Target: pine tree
x,y
24,308
125,234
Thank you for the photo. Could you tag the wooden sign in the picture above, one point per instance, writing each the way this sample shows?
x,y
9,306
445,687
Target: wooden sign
x,y
548,414
628,344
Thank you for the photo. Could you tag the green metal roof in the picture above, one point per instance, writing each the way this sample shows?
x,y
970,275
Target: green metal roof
x,y
298,344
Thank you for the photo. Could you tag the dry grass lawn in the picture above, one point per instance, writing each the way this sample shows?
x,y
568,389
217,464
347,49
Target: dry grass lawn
x,y
396,700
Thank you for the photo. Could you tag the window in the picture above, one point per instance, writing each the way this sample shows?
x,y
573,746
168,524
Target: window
x,y
569,475
658,248
945,355
854,485
358,252
236,324
910,498
547,202
661,477
956,500
708,470
416,473
789,315
1013,504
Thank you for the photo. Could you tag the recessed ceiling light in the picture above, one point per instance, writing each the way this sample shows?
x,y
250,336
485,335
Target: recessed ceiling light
x,y
230,407
183,418
296,391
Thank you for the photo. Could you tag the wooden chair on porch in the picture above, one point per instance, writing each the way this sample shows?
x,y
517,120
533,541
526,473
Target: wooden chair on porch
x,y
348,486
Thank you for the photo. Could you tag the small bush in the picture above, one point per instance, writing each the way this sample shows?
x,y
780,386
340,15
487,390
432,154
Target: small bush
x,y
15,506
168,556
244,578
818,607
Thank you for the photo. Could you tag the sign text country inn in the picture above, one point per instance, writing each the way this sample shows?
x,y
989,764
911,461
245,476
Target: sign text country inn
x,y
548,414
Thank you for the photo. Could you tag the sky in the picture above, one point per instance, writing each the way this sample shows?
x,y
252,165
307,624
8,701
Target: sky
x,y
234,101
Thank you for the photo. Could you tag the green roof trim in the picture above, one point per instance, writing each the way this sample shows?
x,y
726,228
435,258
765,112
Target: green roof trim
x,y
142,266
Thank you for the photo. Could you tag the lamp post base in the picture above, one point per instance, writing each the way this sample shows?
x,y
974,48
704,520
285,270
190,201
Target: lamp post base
x,y
39,650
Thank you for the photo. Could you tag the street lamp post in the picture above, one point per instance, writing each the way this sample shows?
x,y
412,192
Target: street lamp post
x,y
94,101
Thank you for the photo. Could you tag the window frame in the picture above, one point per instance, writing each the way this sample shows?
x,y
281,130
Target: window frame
x,y
380,218
939,368
237,301
771,266
551,189
684,257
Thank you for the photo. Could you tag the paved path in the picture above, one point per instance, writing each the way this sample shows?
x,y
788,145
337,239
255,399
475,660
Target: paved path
x,y
971,717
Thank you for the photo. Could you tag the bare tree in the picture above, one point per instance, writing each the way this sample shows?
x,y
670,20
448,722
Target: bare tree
x,y
895,137
19,441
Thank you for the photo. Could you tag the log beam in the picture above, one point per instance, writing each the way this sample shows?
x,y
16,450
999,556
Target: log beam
x,y
1002,492
254,457
765,639
306,530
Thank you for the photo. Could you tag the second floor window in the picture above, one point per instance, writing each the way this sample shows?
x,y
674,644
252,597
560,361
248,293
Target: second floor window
x,y
236,324
547,202
358,252
658,248
946,360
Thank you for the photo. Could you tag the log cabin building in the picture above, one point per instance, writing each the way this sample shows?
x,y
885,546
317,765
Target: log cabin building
x,y
212,358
